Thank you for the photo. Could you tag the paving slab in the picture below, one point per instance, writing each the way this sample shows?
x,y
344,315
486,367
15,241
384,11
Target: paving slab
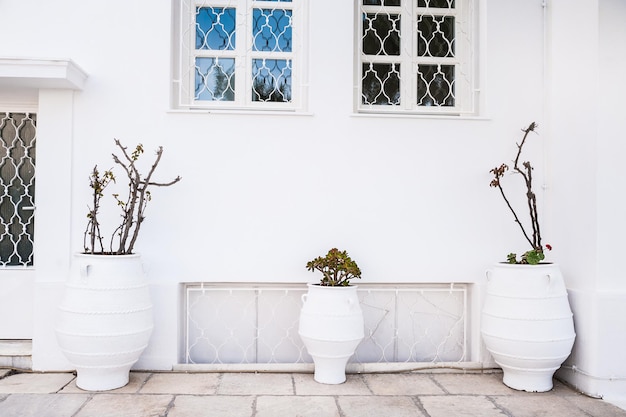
x,y
463,406
475,384
40,405
541,405
356,406
214,406
135,382
255,384
127,405
181,383
594,406
402,384
306,385
296,406
35,383
4,372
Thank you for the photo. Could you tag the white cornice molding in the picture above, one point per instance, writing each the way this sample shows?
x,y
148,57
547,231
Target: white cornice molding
x,y
41,73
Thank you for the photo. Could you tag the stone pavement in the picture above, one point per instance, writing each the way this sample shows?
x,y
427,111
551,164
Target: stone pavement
x,y
171,394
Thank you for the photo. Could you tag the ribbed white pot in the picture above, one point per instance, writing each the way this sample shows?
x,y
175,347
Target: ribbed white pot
x,y
331,327
105,319
527,324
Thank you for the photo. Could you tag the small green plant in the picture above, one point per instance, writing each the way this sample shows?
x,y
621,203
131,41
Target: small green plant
x,y
133,207
536,254
336,267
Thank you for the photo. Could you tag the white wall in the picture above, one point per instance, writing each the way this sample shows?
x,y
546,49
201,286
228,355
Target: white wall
x,y
587,180
262,194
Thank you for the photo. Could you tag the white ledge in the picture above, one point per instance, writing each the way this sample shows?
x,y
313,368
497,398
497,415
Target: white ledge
x,y
41,73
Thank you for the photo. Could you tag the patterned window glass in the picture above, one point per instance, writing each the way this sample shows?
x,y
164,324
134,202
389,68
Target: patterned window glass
x,y
416,56
271,32
215,75
17,188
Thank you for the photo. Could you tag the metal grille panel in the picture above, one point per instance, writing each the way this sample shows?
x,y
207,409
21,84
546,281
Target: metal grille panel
x,y
416,56
258,324
17,191
238,54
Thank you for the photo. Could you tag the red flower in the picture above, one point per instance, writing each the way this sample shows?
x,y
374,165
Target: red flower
x,y
549,247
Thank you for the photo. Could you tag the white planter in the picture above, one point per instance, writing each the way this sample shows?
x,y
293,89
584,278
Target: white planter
x,y
331,327
105,319
527,324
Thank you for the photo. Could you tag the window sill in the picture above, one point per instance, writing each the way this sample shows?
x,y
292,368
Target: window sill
x,y
420,116
241,112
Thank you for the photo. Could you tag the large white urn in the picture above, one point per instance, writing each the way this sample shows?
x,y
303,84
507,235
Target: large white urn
x,y
105,319
527,324
331,327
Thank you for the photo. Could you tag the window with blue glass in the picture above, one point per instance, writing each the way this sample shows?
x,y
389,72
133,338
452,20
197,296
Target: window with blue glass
x,y
244,54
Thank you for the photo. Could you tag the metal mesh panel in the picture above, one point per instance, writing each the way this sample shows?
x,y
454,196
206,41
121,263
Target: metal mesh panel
x,y
258,324
416,56
17,191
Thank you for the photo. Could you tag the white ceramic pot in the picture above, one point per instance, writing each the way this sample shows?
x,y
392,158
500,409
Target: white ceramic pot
x,y
527,324
105,319
331,327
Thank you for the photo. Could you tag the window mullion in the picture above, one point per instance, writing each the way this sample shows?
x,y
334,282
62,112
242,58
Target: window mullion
x,y
408,49
243,64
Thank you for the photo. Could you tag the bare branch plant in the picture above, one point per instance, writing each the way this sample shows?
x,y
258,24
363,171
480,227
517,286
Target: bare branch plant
x,y
133,208
525,170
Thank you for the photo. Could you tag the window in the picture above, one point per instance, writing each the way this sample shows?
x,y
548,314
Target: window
x,y
241,54
17,188
415,57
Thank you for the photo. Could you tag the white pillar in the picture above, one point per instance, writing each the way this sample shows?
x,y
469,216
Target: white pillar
x,y
53,221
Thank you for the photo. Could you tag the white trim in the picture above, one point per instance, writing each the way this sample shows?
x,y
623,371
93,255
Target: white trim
x,y
351,368
239,112
41,73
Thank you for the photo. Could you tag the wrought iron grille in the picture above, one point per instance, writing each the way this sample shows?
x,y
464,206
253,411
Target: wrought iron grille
x,y
258,324
17,192
238,52
416,55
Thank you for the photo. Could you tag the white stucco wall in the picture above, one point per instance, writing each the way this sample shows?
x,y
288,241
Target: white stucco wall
x,y
408,197
587,87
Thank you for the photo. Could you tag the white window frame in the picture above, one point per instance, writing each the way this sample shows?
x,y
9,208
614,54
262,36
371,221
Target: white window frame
x,y
464,61
183,88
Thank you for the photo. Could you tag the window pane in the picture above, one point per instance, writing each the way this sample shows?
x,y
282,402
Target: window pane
x,y
435,85
381,84
440,4
435,36
271,80
381,34
272,30
17,188
215,79
215,28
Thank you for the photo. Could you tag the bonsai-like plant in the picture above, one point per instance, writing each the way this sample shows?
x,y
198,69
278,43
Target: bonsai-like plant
x,y
536,254
133,208
337,268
